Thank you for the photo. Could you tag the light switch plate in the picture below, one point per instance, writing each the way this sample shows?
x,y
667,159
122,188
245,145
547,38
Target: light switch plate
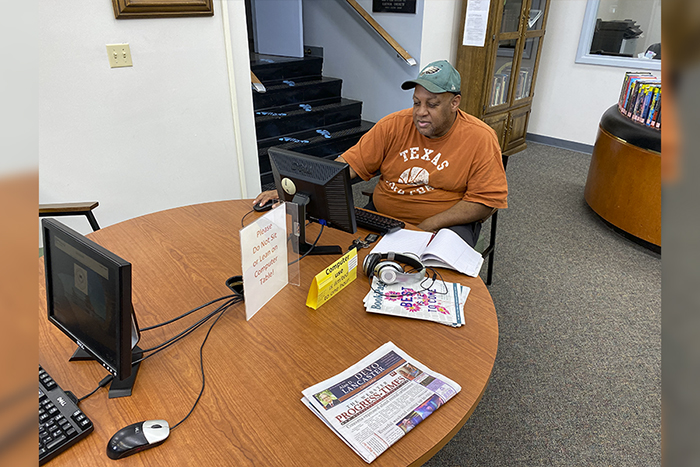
x,y
119,55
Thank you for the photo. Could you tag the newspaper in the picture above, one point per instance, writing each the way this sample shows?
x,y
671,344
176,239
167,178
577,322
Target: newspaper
x,y
443,302
372,404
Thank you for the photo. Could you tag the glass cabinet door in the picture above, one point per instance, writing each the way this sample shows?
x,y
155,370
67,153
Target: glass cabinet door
x,y
523,87
536,15
510,21
502,72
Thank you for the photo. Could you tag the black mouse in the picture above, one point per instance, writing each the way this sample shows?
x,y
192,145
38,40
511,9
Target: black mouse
x,y
137,437
265,207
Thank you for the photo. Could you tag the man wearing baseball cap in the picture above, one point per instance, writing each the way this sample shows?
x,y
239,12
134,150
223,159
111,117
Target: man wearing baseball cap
x,y
439,166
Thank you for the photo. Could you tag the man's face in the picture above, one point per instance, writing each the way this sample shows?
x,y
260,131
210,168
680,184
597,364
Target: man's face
x,y
434,114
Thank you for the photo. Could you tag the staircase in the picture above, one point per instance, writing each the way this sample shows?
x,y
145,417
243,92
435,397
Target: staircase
x,y
302,111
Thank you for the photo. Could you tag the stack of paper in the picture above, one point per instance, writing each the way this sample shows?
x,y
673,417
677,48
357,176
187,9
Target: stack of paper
x,y
442,303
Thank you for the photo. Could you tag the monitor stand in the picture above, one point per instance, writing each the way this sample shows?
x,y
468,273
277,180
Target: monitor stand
x,y
300,201
118,388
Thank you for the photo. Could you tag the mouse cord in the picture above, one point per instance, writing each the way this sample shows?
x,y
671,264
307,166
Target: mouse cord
x,y
201,366
164,323
246,215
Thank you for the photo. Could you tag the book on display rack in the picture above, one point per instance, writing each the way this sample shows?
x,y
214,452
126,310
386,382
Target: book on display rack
x,y
640,98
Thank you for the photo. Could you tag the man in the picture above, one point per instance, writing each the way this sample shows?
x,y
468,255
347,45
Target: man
x,y
440,167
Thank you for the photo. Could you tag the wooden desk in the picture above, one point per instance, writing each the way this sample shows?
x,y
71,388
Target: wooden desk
x,y
250,413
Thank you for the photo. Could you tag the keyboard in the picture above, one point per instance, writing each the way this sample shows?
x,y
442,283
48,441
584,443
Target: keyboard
x,y
376,222
61,422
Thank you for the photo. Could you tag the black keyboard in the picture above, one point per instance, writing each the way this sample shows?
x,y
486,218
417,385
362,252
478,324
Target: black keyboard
x,y
376,222
61,422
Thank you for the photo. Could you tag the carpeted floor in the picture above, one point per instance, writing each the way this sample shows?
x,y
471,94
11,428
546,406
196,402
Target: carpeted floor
x,y
577,379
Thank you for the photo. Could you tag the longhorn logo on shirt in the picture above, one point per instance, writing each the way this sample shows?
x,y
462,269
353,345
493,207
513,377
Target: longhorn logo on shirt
x,y
414,176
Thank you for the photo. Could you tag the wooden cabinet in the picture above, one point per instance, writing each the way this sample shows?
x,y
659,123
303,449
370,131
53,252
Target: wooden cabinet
x,y
498,79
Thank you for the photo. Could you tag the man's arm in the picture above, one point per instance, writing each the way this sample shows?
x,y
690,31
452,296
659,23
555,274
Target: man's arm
x,y
463,212
353,174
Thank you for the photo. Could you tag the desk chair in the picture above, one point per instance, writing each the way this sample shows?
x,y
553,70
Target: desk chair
x,y
71,209
490,249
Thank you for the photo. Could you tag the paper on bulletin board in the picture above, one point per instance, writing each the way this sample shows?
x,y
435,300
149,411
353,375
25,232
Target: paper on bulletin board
x,y
264,259
332,280
475,22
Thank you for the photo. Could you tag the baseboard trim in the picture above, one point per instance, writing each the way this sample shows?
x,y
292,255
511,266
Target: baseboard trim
x,y
560,143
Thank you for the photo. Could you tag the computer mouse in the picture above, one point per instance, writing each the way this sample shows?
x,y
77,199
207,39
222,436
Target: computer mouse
x,y
265,207
137,437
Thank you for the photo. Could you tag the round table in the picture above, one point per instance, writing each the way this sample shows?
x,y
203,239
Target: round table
x,y
250,412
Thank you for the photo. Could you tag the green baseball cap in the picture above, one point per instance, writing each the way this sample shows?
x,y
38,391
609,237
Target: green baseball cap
x,y
437,77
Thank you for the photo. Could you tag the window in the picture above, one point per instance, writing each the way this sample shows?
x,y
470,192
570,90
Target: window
x,y
622,33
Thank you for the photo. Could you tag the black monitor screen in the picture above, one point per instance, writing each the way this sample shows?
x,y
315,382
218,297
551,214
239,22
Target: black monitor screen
x,y
325,182
88,292
321,186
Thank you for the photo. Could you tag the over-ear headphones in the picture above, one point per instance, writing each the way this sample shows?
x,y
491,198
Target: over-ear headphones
x,y
386,268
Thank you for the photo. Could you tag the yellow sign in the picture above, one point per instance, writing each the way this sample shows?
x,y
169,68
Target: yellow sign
x,y
332,280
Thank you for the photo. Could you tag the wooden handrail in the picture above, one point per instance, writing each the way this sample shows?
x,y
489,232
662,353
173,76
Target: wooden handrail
x,y
385,35
256,83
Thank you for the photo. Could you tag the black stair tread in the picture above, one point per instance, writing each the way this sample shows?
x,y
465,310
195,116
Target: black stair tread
x,y
300,106
293,110
257,59
318,138
277,67
311,132
304,81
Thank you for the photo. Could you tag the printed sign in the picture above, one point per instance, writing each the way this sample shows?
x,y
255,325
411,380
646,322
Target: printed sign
x,y
264,259
475,22
332,280
393,6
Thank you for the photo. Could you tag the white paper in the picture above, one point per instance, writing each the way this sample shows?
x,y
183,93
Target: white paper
x,y
264,259
476,22
403,241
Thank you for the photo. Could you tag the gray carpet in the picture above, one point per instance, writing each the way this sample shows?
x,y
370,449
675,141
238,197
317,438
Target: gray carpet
x,y
577,379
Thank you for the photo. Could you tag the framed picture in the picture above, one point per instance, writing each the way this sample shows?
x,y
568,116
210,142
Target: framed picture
x,y
125,9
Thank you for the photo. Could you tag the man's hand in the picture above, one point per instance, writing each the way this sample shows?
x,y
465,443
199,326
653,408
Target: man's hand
x,y
463,212
265,196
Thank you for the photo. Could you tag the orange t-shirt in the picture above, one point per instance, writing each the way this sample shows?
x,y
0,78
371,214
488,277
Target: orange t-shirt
x,y
421,176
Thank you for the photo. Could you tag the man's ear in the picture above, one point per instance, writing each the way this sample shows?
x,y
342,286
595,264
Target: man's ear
x,y
454,104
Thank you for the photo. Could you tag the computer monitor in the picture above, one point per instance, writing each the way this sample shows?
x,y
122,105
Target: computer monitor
x,y
320,188
88,297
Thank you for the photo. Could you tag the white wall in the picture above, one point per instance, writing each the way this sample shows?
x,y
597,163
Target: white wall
x,y
570,97
441,24
370,69
142,139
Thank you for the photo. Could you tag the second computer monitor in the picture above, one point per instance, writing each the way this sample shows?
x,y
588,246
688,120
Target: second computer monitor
x,y
320,187
88,294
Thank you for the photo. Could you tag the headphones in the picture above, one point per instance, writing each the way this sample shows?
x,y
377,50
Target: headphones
x,y
386,268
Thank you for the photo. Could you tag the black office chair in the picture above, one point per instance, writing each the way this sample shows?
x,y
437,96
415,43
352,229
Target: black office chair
x,y
491,248
71,209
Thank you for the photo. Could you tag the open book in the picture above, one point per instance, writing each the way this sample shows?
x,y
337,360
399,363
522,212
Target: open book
x,y
445,249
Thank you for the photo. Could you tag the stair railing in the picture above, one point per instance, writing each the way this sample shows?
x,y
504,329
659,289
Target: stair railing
x,y
256,83
385,35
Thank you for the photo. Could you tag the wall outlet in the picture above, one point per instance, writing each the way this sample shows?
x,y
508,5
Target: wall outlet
x,y
119,55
